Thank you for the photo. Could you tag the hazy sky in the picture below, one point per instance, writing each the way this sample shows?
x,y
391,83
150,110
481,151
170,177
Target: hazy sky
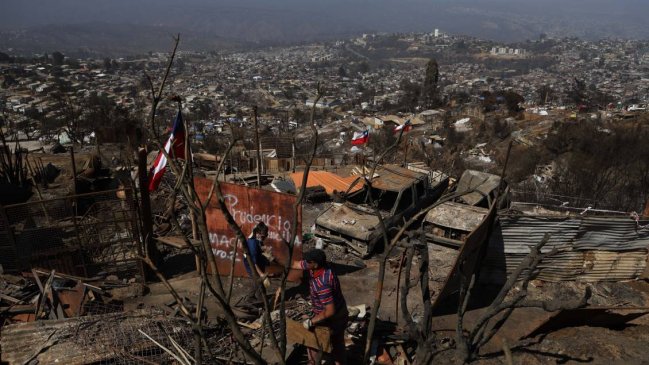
x,y
291,20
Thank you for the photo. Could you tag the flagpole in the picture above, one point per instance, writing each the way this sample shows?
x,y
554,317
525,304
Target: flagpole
x,y
190,168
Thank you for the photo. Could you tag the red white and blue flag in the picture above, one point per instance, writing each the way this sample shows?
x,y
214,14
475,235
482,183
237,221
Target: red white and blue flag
x,y
175,147
407,126
360,138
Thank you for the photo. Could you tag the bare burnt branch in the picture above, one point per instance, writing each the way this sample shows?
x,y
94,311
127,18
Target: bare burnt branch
x,y
501,308
155,98
291,243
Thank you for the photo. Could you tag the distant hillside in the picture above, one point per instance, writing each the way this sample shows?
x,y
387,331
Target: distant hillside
x,y
124,25
101,39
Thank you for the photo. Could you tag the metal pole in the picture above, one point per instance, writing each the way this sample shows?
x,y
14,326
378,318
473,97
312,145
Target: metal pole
x,y
145,208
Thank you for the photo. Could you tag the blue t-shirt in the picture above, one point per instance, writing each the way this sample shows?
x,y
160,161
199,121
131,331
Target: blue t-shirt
x,y
254,246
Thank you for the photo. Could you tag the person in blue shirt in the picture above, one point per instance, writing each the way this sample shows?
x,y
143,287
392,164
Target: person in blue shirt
x,y
260,262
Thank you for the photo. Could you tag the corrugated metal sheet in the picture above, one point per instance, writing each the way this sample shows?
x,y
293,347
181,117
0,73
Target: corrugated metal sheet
x,y
248,206
573,265
328,180
611,234
591,248
394,177
573,233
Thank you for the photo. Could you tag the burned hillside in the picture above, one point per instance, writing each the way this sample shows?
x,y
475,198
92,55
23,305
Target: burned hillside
x,y
428,218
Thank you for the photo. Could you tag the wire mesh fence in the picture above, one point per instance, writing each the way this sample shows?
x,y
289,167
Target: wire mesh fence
x,y
83,235
136,337
561,201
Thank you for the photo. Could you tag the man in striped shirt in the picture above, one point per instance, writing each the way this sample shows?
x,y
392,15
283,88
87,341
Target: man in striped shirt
x,y
329,306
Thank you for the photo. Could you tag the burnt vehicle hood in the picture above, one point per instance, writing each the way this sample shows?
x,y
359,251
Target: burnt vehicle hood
x,y
356,221
456,216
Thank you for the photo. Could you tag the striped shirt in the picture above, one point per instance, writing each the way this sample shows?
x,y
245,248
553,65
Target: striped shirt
x,y
324,289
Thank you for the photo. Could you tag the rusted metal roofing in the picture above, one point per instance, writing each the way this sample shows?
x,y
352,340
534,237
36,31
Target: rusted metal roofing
x,y
395,178
481,182
574,265
328,180
248,206
590,248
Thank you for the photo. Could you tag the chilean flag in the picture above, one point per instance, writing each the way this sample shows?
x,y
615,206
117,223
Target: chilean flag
x,y
177,141
405,126
360,138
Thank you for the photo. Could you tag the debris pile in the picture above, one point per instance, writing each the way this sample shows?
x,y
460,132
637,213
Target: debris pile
x,y
41,294
117,338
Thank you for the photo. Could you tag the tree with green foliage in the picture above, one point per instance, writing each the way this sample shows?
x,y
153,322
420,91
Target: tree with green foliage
x,y
409,100
363,67
342,72
513,101
57,58
8,81
429,94
5,57
578,94
108,65
488,101
545,93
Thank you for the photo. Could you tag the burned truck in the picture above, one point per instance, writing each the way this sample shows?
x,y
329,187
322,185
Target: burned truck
x,y
396,192
449,223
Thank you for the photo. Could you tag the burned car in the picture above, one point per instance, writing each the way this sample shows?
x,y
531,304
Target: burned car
x,y
398,194
451,222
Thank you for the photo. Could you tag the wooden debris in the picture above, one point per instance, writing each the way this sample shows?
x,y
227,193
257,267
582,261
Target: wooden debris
x,y
252,325
320,337
176,241
10,299
44,290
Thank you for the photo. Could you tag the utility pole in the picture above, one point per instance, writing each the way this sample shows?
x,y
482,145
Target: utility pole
x,y
258,143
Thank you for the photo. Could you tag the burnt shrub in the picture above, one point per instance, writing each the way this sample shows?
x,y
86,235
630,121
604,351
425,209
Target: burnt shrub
x,y
608,164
